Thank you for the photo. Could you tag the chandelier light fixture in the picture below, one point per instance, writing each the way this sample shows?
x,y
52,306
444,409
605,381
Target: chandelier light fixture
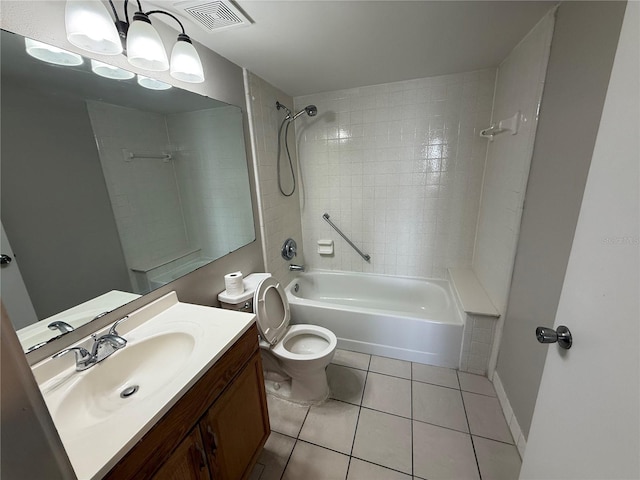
x,y
109,71
152,83
90,27
51,54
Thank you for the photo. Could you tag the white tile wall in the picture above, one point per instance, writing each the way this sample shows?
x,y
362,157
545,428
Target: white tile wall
x,y
279,215
519,85
399,168
208,145
150,219
164,210
477,343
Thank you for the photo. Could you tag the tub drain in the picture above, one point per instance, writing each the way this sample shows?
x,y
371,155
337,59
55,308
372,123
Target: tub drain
x,y
127,392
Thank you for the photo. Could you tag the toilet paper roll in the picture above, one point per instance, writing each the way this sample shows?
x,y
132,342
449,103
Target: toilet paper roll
x,y
233,283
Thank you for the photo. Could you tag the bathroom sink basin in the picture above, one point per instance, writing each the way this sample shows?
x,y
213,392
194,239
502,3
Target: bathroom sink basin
x,y
170,345
132,374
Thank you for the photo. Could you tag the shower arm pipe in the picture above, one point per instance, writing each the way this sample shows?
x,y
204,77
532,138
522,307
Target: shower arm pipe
x,y
366,256
283,107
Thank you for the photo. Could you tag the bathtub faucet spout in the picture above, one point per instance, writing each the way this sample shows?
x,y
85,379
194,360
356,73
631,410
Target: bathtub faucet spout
x,y
296,268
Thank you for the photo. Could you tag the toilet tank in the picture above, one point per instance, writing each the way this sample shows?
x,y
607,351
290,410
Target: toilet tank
x,y
244,301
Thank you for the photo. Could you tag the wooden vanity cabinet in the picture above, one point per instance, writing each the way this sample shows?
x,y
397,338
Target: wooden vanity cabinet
x,y
229,427
187,462
216,430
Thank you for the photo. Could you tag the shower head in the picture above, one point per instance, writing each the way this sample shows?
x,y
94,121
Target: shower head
x,y
310,110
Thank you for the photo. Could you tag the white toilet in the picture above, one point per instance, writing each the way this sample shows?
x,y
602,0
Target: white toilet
x,y
294,357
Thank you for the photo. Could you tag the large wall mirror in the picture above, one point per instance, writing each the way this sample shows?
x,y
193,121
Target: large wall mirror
x,y
109,189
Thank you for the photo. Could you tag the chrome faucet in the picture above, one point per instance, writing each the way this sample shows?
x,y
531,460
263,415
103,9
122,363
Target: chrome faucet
x,y
84,359
103,347
64,327
296,268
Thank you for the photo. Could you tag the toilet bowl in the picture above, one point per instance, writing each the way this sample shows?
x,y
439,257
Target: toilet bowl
x,y
295,357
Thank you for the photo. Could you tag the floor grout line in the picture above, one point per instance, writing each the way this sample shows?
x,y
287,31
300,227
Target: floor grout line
x,y
325,447
405,418
473,445
302,424
494,440
288,459
382,466
411,418
296,443
355,432
413,467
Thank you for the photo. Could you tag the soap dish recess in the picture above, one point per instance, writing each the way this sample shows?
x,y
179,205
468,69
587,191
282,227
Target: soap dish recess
x,y
325,247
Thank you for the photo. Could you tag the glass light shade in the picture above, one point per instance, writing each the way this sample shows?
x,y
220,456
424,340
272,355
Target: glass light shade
x,y
51,54
109,71
90,27
144,47
185,63
152,83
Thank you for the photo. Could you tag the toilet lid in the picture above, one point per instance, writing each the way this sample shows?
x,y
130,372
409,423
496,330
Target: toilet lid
x,y
272,310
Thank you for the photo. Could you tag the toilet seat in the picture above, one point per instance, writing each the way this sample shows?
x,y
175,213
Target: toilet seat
x,y
273,317
272,310
280,349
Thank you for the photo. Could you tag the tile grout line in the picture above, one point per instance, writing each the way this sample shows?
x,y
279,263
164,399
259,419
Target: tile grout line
x,y
302,424
288,459
383,466
361,406
324,447
296,443
459,388
355,432
413,468
405,418
473,445
352,457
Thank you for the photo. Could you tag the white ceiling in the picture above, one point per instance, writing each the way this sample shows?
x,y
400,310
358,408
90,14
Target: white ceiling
x,y
311,46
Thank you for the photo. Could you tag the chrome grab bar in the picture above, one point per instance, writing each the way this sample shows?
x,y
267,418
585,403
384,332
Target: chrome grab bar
x,y
366,256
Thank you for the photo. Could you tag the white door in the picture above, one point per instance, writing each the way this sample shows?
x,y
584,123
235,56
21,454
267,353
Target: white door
x,y
586,423
13,291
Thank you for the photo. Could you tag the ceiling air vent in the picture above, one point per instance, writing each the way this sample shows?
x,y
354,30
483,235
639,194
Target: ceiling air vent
x,y
214,16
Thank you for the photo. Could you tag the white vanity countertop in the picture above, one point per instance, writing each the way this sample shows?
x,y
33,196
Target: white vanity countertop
x,y
171,345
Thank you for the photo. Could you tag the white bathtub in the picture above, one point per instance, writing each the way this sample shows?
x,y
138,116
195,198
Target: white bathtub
x,y
405,318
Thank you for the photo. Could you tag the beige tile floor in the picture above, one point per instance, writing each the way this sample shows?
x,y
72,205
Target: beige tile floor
x,y
390,419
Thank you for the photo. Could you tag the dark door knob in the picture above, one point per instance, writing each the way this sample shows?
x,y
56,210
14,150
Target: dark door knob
x,y
548,335
5,259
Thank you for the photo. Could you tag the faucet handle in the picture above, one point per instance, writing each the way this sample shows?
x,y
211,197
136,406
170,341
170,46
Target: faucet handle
x,y
84,359
64,327
81,353
112,330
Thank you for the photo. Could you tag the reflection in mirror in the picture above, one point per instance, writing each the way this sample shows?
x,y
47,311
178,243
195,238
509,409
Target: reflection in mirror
x,y
109,190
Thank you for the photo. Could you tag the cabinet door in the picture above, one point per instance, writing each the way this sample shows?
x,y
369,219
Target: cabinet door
x,y
237,425
187,462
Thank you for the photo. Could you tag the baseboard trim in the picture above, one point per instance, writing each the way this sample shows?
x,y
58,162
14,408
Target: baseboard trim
x,y
518,437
